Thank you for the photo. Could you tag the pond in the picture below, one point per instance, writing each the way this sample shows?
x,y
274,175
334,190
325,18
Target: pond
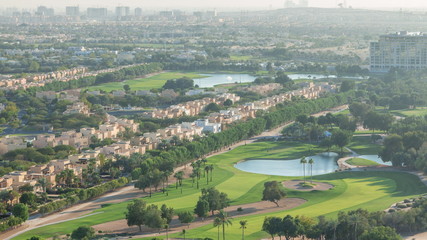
x,y
215,79
323,163
376,159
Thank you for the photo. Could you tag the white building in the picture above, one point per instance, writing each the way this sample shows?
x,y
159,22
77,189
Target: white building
x,y
404,50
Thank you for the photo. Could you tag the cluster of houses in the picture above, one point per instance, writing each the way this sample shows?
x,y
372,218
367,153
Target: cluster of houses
x,y
214,123
262,89
191,108
40,80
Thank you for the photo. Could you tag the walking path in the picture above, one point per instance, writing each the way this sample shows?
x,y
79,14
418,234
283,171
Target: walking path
x,y
129,192
120,226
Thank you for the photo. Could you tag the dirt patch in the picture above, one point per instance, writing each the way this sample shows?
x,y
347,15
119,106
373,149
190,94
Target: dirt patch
x,y
120,226
294,184
419,236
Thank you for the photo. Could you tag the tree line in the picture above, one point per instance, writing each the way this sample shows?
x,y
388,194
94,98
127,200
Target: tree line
x,y
355,224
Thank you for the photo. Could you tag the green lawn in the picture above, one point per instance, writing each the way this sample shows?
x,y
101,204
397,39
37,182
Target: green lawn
x,y
370,190
156,81
363,145
368,132
240,58
410,112
361,162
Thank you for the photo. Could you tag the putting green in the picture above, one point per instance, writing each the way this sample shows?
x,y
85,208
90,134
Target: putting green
x,y
361,162
369,190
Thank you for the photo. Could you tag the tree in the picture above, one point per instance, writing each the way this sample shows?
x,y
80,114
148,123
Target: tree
x,y
35,238
225,221
217,223
83,232
303,161
341,138
186,217
126,87
202,208
212,107
228,103
167,213
28,198
26,188
272,192
392,144
20,210
153,217
359,110
243,226
207,169
311,162
347,85
217,200
273,226
380,233
291,227
179,177
135,213
43,183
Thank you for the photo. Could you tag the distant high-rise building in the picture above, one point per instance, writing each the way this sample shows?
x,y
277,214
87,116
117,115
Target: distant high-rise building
x,y
122,11
44,11
97,12
403,50
138,12
72,11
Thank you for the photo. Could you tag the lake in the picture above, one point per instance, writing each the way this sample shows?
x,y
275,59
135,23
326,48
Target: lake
x,y
376,159
323,163
318,76
215,79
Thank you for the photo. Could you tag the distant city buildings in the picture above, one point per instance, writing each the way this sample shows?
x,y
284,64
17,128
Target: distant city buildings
x,y
122,12
97,12
138,12
403,50
72,11
44,11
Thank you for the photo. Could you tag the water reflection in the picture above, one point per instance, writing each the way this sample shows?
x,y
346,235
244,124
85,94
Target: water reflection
x,y
323,163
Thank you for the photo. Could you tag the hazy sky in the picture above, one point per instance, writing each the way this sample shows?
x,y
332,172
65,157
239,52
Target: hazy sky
x,y
205,4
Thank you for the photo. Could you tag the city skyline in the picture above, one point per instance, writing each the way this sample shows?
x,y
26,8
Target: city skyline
x,y
220,4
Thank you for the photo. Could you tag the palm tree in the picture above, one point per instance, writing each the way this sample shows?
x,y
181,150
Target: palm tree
x,y
207,169
243,226
211,168
166,226
224,221
311,162
193,177
183,232
197,172
303,161
217,223
179,177
42,182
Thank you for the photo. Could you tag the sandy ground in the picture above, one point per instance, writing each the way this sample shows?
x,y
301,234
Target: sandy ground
x,y
129,192
294,184
420,236
120,226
